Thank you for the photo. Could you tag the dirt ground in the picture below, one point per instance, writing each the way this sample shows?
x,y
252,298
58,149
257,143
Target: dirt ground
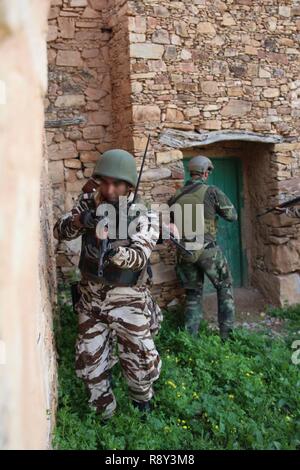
x,y
250,310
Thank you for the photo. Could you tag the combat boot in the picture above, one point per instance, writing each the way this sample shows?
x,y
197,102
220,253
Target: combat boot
x,y
226,334
144,407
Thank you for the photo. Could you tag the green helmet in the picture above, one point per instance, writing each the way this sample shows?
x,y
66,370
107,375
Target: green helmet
x,y
200,164
117,164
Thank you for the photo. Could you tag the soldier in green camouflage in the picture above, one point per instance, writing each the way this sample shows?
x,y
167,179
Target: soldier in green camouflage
x,y
117,306
209,260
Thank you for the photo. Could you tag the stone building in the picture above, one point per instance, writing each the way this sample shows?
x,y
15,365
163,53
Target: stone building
x,y
216,77
220,78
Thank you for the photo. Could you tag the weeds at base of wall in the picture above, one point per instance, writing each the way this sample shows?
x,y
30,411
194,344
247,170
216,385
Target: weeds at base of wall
x,y
241,395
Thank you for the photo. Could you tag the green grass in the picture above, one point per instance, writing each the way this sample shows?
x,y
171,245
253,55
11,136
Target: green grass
x,y
291,315
241,395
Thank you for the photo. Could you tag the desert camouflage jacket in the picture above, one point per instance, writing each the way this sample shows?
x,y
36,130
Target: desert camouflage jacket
x,y
134,256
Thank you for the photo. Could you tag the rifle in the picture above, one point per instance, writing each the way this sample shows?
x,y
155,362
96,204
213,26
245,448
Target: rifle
x,y
172,238
178,244
105,247
288,203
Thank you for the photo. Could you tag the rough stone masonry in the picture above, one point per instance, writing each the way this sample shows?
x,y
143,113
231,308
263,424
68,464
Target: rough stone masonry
x,y
134,67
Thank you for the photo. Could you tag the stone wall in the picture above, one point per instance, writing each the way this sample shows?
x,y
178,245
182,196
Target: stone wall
x,y
277,256
226,65
88,54
27,275
47,295
79,86
197,65
217,65
117,22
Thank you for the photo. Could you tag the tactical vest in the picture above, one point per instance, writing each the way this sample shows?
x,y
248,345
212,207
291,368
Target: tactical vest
x,y
112,274
193,198
196,196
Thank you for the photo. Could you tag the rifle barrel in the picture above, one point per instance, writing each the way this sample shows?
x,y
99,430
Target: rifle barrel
x,y
177,243
294,200
141,171
287,203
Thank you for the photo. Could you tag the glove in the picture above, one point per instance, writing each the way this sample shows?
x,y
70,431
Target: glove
x,y
88,219
112,252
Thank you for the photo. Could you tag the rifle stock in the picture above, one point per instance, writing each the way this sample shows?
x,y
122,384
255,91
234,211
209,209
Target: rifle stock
x,y
176,243
104,248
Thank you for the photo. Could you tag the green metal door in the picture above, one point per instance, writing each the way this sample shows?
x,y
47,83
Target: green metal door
x,y
227,176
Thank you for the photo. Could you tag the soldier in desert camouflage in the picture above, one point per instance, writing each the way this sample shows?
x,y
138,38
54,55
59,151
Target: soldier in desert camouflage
x,y
117,307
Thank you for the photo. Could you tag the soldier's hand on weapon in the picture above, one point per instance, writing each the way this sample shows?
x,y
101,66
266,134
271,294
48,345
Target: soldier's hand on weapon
x,y
106,250
87,219
284,207
76,221
280,209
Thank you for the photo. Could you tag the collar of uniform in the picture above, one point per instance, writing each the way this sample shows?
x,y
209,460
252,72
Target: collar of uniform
x,y
193,181
130,196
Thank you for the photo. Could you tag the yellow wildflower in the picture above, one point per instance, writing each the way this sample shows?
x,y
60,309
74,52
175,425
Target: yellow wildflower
x,y
171,383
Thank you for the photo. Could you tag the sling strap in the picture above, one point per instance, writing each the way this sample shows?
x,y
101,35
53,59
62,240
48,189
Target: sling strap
x,y
186,190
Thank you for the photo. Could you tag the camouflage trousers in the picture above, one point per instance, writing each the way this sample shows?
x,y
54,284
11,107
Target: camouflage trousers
x,y
125,318
213,264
